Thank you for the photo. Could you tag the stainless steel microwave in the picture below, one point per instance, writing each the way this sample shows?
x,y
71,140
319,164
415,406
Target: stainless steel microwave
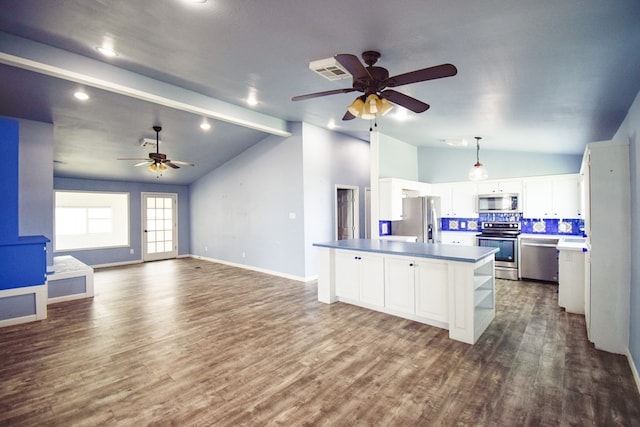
x,y
498,202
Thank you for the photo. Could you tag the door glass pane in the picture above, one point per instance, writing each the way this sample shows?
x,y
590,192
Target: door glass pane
x,y
159,224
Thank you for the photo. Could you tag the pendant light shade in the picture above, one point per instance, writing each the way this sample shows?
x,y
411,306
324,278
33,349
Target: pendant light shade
x,y
478,172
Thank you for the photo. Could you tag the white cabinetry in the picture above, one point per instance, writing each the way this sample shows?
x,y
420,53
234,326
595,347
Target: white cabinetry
x,y
473,304
417,286
459,238
571,264
507,187
566,196
457,199
455,295
552,197
360,277
431,289
399,284
607,224
391,193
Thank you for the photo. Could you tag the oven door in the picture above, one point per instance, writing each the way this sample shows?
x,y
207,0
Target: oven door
x,y
507,255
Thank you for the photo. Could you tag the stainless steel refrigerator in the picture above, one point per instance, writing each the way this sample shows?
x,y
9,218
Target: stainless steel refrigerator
x,y
420,217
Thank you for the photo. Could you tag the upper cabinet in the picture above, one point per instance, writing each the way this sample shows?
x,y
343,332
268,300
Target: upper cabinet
x,y
507,187
457,199
552,197
391,193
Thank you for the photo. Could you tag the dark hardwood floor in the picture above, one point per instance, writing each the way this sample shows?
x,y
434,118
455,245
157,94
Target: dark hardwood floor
x,y
187,342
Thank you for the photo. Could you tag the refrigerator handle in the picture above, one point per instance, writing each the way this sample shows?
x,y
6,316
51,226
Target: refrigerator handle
x,y
434,235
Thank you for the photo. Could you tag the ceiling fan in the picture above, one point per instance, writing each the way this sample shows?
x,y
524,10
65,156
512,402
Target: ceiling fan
x,y
373,81
158,162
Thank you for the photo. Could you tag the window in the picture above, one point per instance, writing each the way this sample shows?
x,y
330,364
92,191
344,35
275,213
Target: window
x,y
89,220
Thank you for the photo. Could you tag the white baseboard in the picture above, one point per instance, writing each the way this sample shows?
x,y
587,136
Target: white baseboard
x,y
634,370
118,264
260,270
18,320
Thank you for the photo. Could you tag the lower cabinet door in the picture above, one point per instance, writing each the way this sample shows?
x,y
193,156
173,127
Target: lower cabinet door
x,y
399,285
347,274
372,279
431,281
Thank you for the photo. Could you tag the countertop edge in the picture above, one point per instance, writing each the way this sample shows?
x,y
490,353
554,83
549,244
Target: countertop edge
x,y
412,253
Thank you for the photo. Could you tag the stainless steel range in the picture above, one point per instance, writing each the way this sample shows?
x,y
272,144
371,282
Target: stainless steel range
x,y
502,235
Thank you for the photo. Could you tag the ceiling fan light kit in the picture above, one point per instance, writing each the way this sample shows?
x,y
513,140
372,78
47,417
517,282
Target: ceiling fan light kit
x,y
374,81
157,162
478,172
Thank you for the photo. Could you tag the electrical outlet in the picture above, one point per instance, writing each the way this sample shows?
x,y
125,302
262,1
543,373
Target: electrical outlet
x,y
243,254
206,248
131,251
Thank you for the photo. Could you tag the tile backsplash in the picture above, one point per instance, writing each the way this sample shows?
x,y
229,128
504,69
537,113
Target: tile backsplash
x,y
572,227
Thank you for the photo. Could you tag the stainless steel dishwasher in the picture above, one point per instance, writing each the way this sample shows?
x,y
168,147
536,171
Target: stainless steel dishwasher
x,y
539,259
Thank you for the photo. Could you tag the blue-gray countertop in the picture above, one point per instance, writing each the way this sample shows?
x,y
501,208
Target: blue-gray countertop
x,y
423,250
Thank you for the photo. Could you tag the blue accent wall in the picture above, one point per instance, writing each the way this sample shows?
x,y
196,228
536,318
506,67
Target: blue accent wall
x,y
23,259
9,180
135,189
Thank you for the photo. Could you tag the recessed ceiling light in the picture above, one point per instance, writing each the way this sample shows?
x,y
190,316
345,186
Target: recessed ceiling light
x,y
252,100
205,126
195,1
456,142
82,96
401,115
108,52
331,124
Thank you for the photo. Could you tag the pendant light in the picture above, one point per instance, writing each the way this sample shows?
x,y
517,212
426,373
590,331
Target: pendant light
x,y
478,172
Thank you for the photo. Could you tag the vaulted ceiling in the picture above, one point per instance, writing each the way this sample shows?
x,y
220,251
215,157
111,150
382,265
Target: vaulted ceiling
x,y
533,76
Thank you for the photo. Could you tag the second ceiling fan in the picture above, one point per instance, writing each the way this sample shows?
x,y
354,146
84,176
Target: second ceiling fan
x,y
158,162
374,82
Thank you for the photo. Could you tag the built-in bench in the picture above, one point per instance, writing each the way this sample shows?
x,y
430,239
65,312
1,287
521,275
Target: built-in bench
x,y
71,279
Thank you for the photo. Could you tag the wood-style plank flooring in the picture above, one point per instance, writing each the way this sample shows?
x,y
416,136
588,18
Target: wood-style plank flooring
x,y
188,342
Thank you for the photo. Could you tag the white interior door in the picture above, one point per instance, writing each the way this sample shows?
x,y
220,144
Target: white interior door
x,y
159,221
347,212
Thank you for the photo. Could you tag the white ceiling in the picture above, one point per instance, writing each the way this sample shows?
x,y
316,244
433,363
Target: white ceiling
x,y
533,76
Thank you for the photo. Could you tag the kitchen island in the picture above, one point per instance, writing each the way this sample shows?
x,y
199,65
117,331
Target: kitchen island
x,y
448,286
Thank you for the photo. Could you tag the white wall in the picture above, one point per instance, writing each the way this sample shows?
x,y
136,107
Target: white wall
x,y
245,205
329,159
629,131
240,211
397,159
453,164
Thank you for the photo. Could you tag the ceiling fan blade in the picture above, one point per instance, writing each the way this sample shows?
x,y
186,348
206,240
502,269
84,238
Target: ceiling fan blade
x,y
353,66
431,73
146,162
180,162
325,93
131,158
405,101
171,165
348,116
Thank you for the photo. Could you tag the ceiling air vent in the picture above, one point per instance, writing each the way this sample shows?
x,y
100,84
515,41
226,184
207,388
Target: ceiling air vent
x,y
330,69
148,142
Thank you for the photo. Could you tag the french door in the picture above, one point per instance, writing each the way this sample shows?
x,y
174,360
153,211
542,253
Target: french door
x,y
159,222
